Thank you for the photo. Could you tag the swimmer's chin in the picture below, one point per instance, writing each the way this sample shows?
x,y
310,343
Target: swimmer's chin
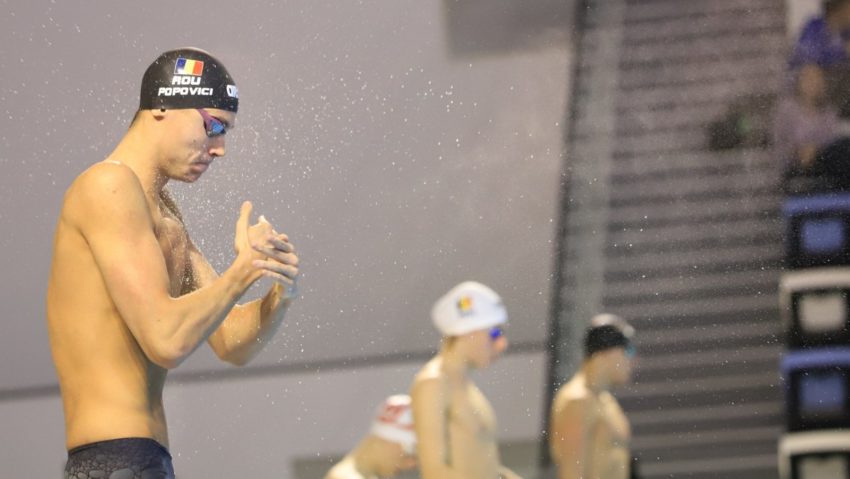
x,y
196,171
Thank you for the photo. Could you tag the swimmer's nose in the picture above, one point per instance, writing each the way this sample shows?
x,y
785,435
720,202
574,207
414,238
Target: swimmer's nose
x,y
216,146
501,344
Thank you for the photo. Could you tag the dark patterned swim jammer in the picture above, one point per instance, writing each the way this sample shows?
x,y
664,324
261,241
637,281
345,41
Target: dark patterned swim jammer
x,y
131,458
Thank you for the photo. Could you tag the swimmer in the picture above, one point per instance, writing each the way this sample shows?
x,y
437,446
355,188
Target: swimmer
x,y
130,296
590,434
455,424
389,449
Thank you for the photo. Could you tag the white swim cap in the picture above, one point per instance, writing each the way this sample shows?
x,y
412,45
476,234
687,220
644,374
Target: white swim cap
x,y
468,307
394,422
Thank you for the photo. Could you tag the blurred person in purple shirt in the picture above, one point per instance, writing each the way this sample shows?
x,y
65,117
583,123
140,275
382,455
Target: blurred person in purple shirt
x,y
808,138
824,41
804,123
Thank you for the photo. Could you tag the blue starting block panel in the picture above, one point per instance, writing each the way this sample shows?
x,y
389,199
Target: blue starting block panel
x,y
817,389
817,230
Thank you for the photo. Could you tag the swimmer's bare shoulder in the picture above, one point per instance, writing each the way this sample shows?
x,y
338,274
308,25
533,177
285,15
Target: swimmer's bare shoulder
x,y
571,414
430,396
102,182
430,389
431,370
574,392
571,402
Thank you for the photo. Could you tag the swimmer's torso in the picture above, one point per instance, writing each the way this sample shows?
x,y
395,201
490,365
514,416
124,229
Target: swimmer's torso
x,y
109,387
472,446
610,432
611,438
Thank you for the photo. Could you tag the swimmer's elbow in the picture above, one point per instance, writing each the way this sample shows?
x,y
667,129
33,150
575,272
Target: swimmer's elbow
x,y
229,351
167,355
162,360
236,358
166,360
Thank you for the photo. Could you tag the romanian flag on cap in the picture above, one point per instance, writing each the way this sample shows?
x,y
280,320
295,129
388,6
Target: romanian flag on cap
x,y
188,67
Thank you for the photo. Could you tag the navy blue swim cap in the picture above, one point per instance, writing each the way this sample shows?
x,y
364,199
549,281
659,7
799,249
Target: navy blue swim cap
x,y
188,78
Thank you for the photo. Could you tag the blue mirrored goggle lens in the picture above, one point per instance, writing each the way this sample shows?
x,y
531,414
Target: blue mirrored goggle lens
x,y
496,333
215,128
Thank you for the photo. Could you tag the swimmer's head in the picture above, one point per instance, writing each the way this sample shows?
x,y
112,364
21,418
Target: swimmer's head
x,y
188,78
473,314
468,307
608,341
393,425
188,101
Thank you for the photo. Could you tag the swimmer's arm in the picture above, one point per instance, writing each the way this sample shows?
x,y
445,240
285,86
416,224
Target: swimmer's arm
x,y
248,327
570,440
429,419
108,206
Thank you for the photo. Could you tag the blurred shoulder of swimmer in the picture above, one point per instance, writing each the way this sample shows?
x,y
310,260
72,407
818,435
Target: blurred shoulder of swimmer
x,y
590,434
387,450
130,296
455,424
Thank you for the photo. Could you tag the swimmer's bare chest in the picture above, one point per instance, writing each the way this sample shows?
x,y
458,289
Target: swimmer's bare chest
x,y
174,243
473,413
611,438
472,427
614,420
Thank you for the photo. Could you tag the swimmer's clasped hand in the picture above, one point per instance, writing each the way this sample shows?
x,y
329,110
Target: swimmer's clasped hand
x,y
265,252
276,258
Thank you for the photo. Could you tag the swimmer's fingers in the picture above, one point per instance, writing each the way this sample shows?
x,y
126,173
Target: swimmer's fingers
x,y
279,278
277,254
281,242
278,271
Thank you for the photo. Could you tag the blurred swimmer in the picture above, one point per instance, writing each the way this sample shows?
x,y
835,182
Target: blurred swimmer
x,y
130,296
590,434
455,424
389,448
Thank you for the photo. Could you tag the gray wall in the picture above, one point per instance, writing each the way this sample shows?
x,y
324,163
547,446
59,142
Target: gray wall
x,y
400,157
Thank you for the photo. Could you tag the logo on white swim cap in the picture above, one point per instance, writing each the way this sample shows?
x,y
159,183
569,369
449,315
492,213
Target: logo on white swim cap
x,y
468,307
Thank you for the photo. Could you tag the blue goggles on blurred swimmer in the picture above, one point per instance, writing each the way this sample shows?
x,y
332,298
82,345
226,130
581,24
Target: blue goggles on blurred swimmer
x,y
496,332
212,125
